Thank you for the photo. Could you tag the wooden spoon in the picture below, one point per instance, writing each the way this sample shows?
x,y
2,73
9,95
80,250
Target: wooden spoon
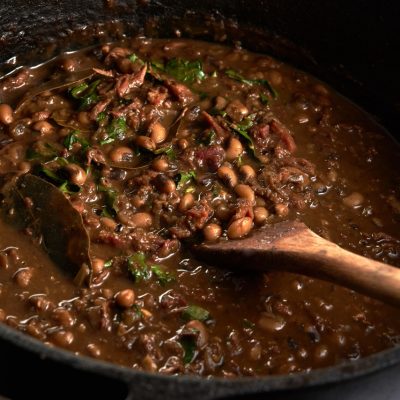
x,y
291,246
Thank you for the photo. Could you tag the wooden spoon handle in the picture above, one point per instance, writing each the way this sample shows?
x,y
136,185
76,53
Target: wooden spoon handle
x,y
310,254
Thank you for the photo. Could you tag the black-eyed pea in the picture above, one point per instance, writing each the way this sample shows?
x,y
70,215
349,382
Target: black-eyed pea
x,y
63,338
125,298
141,220
158,133
212,232
353,200
77,175
281,210
260,215
247,172
160,164
6,114
234,150
227,175
201,331
146,143
120,154
240,228
245,192
97,266
44,127
186,202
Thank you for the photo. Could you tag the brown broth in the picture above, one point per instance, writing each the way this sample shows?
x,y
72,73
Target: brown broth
x,y
259,324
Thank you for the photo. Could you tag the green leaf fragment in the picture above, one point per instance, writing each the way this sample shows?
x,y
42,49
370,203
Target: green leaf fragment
x,y
116,130
195,313
185,177
163,277
73,138
188,344
183,70
138,267
231,73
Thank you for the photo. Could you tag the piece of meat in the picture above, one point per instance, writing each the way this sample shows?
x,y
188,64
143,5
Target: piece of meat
x,y
127,82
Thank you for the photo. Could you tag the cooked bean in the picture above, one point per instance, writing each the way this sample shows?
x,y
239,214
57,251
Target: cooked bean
x,y
275,78
141,220
146,143
227,175
271,322
201,331
24,166
183,144
282,210
220,103
245,192
125,298
239,228
353,200
165,184
23,277
149,364
260,215
109,223
223,212
186,202
120,154
63,338
6,114
93,350
3,261
160,164
97,266
64,317
43,127
234,150
2,315
247,172
77,175
158,133
212,232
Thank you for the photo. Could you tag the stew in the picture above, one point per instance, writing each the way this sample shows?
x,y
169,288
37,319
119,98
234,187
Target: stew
x,y
148,146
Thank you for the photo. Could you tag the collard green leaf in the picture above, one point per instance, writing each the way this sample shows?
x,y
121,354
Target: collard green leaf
x,y
195,313
240,78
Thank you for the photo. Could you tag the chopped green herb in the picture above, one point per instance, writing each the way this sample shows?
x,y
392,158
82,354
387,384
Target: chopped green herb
x,y
133,57
73,138
86,94
248,324
116,130
264,99
157,65
195,312
168,151
78,90
109,263
188,344
101,116
185,177
55,179
240,78
138,267
183,70
42,151
242,129
110,195
163,277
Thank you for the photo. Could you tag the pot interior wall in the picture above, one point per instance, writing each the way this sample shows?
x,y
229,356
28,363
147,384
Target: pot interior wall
x,y
349,44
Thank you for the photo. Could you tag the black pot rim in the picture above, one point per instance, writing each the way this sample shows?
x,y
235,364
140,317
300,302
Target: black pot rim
x,y
242,385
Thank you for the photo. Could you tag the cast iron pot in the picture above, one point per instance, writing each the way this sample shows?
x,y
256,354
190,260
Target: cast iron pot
x,y
351,44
